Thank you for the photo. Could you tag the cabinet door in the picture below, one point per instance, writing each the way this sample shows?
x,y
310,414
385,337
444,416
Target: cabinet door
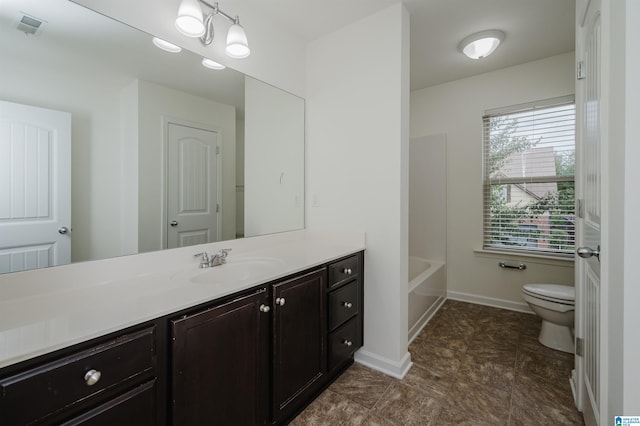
x,y
220,362
299,333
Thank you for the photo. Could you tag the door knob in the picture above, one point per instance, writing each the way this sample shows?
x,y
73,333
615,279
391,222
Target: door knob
x,y
587,252
280,301
63,230
173,223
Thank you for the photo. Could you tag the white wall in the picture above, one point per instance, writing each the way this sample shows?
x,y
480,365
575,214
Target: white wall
x,y
357,164
428,197
274,160
277,57
156,102
456,108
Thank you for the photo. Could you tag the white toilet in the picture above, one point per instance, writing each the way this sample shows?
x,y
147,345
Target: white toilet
x,y
555,304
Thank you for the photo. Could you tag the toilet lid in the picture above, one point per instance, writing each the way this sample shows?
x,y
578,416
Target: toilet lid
x,y
555,291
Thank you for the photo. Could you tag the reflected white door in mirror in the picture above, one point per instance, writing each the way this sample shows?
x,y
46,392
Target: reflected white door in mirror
x,y
35,187
192,186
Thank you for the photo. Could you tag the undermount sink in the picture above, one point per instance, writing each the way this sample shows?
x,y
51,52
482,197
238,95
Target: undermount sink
x,y
238,269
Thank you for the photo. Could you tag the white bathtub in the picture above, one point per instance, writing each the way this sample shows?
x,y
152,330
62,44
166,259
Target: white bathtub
x,y
427,291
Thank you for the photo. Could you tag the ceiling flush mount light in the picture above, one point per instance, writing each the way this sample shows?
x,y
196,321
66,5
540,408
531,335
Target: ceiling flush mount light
x,y
166,46
212,64
482,44
193,23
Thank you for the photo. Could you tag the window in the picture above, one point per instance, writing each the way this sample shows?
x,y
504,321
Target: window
x,y
529,184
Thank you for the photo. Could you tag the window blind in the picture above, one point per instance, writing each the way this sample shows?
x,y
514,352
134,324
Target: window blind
x,y
529,183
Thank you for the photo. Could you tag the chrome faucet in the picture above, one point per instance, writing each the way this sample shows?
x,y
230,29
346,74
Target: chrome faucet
x,y
217,259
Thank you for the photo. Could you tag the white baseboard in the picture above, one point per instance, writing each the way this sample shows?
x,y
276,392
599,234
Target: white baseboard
x,y
489,301
385,365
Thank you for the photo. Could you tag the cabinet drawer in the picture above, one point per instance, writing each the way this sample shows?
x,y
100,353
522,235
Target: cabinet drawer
x,y
135,407
343,304
343,270
344,342
62,383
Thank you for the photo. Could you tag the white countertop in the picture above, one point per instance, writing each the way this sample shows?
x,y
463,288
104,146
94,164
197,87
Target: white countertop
x,y
45,310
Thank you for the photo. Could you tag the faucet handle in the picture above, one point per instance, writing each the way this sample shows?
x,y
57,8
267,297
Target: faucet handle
x,y
203,254
205,259
222,255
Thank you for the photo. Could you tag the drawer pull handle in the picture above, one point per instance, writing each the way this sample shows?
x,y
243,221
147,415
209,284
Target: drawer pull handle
x,y
92,377
347,342
264,308
347,271
347,305
280,301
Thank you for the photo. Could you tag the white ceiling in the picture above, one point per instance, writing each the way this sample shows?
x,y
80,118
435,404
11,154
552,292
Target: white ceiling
x,y
535,29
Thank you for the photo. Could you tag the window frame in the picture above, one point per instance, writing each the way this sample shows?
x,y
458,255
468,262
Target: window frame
x,y
488,182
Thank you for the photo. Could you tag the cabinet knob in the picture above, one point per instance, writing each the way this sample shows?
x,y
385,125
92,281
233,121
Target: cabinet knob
x,y
264,308
347,342
92,377
347,305
347,271
280,301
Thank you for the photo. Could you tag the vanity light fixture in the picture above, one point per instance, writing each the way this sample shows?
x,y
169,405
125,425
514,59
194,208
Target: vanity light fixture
x,y
482,44
212,64
193,23
189,21
166,46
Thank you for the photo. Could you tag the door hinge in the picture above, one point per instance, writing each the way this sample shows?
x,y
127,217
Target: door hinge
x,y
580,72
579,346
217,208
580,208
217,150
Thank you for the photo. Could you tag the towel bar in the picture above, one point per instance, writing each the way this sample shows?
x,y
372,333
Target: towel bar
x,y
520,266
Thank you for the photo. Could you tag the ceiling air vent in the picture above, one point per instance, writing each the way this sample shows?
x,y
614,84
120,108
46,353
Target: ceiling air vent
x,y
30,24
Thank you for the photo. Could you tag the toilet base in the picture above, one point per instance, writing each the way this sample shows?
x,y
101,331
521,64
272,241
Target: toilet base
x,y
556,337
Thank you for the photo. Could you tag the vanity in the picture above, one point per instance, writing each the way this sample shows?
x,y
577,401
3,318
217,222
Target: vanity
x,y
252,341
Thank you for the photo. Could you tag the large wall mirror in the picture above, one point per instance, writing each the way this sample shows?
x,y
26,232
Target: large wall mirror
x,y
152,149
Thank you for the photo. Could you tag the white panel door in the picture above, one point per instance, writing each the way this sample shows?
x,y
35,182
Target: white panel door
x,y
589,288
192,186
35,187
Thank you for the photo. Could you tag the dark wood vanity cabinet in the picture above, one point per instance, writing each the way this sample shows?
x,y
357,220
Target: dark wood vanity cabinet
x,y
262,357
299,341
345,308
114,379
219,363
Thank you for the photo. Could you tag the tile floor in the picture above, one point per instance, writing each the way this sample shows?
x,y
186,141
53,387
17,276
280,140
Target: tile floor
x,y
473,365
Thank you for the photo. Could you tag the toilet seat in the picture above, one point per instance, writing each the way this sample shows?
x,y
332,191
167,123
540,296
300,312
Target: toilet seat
x,y
563,294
